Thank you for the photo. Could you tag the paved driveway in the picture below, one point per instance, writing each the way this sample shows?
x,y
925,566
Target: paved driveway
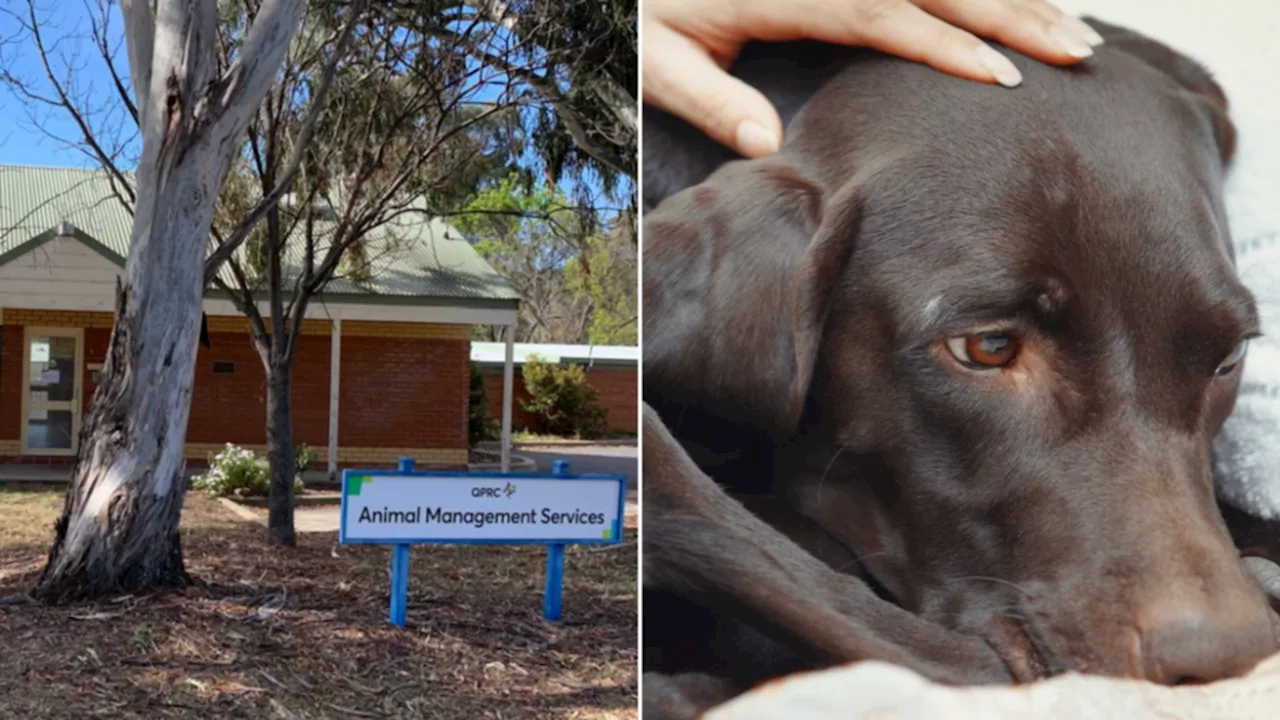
x,y
609,459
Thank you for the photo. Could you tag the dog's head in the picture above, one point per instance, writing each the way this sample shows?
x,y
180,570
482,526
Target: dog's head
x,y
995,332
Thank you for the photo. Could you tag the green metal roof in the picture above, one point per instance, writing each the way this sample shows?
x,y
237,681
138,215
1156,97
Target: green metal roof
x,y
412,259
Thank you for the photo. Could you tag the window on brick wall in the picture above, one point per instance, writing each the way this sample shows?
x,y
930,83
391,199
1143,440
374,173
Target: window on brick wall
x,y
223,366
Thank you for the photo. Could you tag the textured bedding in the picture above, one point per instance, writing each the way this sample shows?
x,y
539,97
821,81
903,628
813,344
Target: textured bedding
x,y
879,691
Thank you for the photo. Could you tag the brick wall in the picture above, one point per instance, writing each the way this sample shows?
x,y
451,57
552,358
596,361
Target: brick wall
x,y
619,391
386,407
616,389
520,420
58,318
404,388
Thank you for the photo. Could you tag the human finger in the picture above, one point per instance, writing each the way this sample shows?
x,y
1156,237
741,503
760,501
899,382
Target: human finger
x,y
1033,27
682,78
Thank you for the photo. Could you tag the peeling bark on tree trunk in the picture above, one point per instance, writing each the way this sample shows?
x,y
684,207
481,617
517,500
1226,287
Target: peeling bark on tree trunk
x,y
280,455
119,527
118,531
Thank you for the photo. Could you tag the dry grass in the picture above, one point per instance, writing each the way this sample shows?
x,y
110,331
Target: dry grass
x,y
302,633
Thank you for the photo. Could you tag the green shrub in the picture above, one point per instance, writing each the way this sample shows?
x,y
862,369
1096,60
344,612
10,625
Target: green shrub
x,y
482,425
564,403
303,457
238,472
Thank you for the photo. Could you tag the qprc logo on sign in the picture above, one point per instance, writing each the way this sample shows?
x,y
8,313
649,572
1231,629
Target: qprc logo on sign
x,y
493,492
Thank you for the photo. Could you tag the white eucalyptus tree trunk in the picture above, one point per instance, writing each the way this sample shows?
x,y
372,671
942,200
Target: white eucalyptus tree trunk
x,y
119,528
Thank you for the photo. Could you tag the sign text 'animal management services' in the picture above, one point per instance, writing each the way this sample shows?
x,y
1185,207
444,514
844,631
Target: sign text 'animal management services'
x,y
393,508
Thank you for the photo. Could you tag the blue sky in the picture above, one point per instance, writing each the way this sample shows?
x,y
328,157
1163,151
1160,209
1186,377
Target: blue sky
x,y
22,141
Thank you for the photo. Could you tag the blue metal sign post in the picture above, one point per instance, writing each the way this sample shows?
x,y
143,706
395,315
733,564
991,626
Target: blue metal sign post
x,y
405,507
400,567
555,562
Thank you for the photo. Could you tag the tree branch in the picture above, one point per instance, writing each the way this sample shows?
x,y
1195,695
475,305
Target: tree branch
x,y
64,101
255,67
101,34
572,123
242,298
301,145
140,35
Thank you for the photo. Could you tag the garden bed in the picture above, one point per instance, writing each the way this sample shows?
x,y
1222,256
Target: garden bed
x,y
302,632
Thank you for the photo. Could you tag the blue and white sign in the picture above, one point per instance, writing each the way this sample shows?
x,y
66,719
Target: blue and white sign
x,y
389,508
404,508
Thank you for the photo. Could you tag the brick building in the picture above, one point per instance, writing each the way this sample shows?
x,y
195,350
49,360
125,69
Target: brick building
x,y
382,367
612,370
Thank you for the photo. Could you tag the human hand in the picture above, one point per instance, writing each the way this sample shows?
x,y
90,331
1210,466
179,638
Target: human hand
x,y
687,45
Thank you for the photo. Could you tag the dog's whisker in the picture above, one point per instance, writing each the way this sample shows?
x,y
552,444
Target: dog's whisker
x,y
983,578
830,464
1010,610
870,555
1009,614
846,565
858,559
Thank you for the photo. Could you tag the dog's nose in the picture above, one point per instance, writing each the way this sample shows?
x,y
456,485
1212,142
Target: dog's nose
x,y
1201,647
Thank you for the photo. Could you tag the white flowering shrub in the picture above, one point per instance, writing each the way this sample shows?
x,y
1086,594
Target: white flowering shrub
x,y
238,472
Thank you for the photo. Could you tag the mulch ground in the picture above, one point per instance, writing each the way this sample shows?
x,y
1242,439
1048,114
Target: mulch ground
x,y
302,632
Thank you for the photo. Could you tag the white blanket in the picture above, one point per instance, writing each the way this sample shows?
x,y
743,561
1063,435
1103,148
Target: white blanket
x,y
879,691
1237,41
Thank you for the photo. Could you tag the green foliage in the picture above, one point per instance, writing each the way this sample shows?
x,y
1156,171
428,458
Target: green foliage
x,y
304,456
605,273
592,45
577,284
238,472
482,425
511,208
564,59
564,403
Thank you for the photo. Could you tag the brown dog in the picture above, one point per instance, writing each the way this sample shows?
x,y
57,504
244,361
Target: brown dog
x,y
977,340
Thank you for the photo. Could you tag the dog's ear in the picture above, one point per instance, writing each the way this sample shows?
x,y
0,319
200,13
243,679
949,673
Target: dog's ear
x,y
1188,73
738,272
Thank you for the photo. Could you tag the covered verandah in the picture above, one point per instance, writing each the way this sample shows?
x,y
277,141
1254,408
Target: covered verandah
x,y
70,272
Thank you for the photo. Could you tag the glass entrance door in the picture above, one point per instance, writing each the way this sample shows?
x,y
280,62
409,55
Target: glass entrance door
x,y
53,372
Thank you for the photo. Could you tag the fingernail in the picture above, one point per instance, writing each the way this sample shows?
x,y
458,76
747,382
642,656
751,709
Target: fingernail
x,y
1068,36
1090,35
998,65
754,140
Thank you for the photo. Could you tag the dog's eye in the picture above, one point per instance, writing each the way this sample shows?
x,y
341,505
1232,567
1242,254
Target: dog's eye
x,y
984,351
1233,360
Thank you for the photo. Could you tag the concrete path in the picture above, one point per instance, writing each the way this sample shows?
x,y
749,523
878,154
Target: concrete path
x,y
608,459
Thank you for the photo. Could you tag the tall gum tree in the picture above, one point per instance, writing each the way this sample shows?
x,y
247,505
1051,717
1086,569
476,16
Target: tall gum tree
x,y
411,125
119,527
